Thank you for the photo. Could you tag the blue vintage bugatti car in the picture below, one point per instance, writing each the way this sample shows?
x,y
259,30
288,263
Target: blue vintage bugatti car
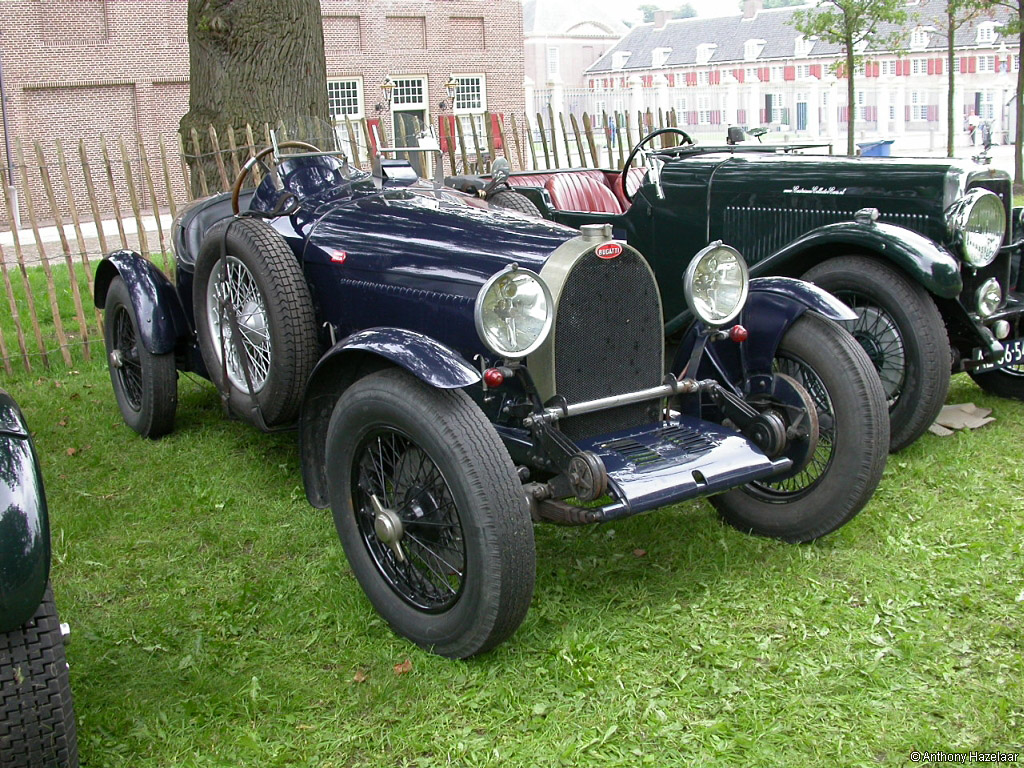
x,y
457,372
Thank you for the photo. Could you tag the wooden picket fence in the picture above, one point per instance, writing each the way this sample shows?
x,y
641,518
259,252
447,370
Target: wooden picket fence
x,y
77,203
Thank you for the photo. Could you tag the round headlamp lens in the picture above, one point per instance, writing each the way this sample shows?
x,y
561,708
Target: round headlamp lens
x,y
984,229
715,284
989,295
513,312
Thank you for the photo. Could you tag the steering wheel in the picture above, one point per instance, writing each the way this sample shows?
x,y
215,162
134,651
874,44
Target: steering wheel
x,y
243,174
638,149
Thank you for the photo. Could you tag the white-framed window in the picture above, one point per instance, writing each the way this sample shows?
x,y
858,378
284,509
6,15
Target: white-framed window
x,y
752,49
409,92
987,63
619,59
776,74
1014,63
918,106
986,105
705,51
803,70
659,56
919,66
919,39
682,106
702,77
824,99
703,110
986,32
750,74
470,94
859,69
892,111
888,67
775,99
554,60
862,106
345,98
956,64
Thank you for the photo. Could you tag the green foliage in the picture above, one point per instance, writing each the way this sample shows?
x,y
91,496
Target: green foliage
x,y
216,623
776,3
848,23
684,11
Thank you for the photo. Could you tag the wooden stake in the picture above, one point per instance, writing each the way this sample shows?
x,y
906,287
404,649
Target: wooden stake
x,y
51,289
588,129
543,141
352,143
515,138
565,138
15,314
167,180
133,199
93,200
579,141
148,175
462,145
83,251
113,191
225,185
233,149
25,285
58,220
554,137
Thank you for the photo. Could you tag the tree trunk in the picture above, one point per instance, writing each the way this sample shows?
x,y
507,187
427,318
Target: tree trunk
x,y
950,105
851,99
1018,141
253,61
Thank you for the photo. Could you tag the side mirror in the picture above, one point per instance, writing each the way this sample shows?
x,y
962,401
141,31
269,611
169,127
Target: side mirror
x,y
500,169
654,166
734,135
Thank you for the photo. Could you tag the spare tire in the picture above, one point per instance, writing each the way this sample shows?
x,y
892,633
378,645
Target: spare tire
x,y
261,283
513,201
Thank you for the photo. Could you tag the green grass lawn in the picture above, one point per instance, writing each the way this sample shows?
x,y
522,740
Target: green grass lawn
x,y
216,622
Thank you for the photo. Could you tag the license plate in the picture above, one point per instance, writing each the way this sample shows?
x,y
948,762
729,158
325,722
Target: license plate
x,y
1013,354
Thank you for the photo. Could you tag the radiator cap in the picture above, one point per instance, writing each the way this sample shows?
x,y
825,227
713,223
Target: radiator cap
x,y
596,232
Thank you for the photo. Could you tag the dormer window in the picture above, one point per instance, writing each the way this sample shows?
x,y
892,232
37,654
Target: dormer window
x,y
986,32
659,56
919,39
752,49
802,47
619,59
860,46
704,52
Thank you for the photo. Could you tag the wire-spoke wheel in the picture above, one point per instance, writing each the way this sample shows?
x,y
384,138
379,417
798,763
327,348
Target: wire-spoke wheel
x,y
259,290
838,478
233,290
145,385
901,330
430,513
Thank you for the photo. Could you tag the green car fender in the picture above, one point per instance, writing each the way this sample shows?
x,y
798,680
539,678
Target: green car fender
x,y
922,259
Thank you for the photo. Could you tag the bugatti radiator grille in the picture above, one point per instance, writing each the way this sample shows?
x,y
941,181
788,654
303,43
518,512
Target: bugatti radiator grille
x,y
608,337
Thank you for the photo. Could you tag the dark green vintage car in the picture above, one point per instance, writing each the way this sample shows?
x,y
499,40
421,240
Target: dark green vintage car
x,y
926,251
37,720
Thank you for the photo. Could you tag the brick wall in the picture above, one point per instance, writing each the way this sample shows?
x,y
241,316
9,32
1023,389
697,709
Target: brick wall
x,y
76,69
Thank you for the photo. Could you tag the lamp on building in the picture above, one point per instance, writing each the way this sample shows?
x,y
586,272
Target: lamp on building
x,y
386,88
450,89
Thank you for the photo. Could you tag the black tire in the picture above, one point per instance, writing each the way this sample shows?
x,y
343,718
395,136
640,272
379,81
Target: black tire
x,y
37,717
478,594
275,318
513,201
145,385
852,446
1006,382
902,331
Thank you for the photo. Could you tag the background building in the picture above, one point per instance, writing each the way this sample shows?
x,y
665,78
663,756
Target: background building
x,y
755,69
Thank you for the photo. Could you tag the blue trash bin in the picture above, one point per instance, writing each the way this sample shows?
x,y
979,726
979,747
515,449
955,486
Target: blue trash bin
x,y
875,148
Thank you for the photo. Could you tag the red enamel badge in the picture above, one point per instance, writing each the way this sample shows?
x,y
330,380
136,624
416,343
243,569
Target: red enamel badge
x,y
608,250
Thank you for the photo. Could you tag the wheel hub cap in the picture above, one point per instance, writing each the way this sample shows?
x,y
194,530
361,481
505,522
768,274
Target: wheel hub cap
x,y
388,527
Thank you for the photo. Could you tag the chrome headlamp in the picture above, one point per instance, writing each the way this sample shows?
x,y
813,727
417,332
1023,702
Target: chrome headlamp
x,y
977,222
514,312
989,297
715,284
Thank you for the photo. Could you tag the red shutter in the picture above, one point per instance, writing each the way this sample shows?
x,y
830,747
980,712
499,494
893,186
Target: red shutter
x,y
591,83
844,114
718,77
496,129
867,69
741,116
691,118
931,66
938,66
738,74
446,128
877,67
840,71
906,67
972,64
933,113
789,73
671,80
371,123
963,65
716,117
899,68
764,113
816,70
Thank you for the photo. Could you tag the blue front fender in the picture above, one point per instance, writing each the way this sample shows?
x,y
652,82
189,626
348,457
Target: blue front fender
x,y
162,321
773,305
349,360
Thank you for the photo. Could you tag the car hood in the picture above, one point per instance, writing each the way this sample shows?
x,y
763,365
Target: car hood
x,y
429,234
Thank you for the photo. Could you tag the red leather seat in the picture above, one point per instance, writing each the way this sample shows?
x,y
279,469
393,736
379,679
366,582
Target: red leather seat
x,y
574,192
635,181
